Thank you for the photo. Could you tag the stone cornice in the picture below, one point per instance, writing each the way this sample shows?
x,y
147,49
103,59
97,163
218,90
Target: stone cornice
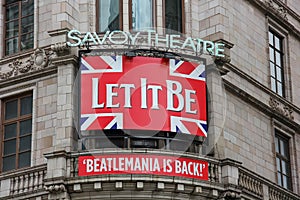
x,y
265,89
278,13
27,77
268,110
289,10
64,60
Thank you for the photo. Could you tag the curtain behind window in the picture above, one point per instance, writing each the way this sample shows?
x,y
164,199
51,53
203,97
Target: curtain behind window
x,y
142,14
109,15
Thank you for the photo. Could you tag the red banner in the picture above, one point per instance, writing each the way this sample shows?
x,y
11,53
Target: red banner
x,y
143,93
142,164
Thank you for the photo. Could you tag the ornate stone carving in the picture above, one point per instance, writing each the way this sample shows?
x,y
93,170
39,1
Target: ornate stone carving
x,y
231,195
279,9
282,109
55,188
40,59
60,47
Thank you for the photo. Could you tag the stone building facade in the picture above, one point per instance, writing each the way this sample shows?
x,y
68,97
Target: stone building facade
x,y
253,142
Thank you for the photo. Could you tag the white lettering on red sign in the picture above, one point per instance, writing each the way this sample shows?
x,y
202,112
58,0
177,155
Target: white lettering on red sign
x,y
140,164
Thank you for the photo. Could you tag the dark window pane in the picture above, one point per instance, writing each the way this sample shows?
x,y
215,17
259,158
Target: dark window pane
x,y
24,159
25,143
27,24
11,46
27,41
10,131
11,109
144,143
10,147
278,164
12,12
9,163
25,127
11,1
284,167
283,148
109,15
279,179
12,29
284,182
27,7
276,144
173,16
26,105
106,143
178,145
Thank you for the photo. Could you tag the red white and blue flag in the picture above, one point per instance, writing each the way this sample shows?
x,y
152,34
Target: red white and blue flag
x,y
119,92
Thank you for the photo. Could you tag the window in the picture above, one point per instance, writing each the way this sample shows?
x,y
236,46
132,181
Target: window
x,y
109,15
174,16
276,63
139,139
283,161
16,132
142,14
18,26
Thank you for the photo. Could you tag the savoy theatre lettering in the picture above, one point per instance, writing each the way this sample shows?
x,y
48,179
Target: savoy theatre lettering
x,y
149,38
144,93
142,164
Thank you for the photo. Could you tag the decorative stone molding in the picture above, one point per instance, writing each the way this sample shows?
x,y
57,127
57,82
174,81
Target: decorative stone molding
x,y
276,194
250,184
277,8
55,188
280,108
231,195
60,47
39,60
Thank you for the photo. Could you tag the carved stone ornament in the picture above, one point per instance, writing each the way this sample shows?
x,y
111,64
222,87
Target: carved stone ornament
x,y
282,109
60,47
279,9
40,59
55,188
231,195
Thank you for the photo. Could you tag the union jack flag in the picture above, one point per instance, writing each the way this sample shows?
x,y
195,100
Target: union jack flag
x,y
118,70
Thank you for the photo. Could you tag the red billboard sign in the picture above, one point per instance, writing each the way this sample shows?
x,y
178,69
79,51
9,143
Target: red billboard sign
x,y
142,164
119,92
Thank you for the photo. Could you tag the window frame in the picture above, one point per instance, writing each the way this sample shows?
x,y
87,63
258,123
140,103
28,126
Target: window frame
x,y
282,158
18,137
154,14
182,16
281,52
19,37
98,14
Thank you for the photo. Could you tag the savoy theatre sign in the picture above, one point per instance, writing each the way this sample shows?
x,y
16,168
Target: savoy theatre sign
x,y
147,38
